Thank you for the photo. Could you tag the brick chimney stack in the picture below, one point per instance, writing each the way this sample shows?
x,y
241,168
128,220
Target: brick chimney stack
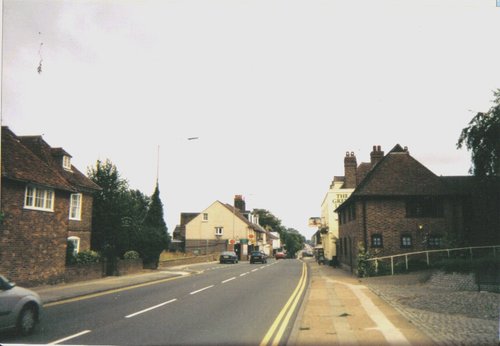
x,y
376,155
239,203
350,165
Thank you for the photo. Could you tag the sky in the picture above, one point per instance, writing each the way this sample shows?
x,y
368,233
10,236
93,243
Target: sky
x,y
275,91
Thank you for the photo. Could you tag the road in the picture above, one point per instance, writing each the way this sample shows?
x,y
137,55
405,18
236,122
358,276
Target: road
x,y
224,304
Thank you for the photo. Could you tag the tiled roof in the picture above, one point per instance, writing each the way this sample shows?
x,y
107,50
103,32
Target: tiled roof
x,y
238,214
30,159
399,174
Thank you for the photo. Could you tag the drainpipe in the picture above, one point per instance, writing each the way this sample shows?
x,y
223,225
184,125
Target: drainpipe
x,y
365,231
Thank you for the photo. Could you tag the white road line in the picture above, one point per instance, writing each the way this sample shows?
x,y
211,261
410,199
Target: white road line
x,y
254,270
151,308
69,337
244,274
231,279
205,288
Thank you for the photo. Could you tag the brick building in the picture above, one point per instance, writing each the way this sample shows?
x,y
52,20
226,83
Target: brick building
x,y
45,202
400,206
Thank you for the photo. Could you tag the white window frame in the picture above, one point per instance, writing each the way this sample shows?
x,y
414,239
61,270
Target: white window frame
x,y
67,162
219,230
39,198
76,244
75,206
205,217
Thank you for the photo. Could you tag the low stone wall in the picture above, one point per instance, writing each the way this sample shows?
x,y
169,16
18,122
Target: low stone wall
x,y
453,281
188,260
125,267
84,272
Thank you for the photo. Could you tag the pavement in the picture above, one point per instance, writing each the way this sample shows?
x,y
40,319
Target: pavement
x,y
341,309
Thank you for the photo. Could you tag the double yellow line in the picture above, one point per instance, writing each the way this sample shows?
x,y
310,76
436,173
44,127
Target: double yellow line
x,y
286,313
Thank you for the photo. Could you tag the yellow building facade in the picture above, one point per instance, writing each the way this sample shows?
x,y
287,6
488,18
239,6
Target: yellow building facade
x,y
329,228
222,227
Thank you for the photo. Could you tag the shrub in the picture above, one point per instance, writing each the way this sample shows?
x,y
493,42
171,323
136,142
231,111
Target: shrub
x,y
70,253
131,255
88,257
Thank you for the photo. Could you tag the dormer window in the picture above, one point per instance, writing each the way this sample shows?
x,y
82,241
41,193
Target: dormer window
x,y
67,162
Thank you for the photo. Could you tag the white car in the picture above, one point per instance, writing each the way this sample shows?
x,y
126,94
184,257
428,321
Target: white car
x,y
20,308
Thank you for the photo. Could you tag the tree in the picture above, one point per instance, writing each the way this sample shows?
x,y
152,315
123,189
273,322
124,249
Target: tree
x,y
294,241
482,138
107,212
269,221
153,238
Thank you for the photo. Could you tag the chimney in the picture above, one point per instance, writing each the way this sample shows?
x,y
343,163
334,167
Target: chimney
x,y
239,203
376,155
350,165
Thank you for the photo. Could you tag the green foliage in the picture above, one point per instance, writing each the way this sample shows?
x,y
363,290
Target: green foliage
x,y
153,236
87,257
131,255
107,213
293,240
482,138
364,267
469,265
70,253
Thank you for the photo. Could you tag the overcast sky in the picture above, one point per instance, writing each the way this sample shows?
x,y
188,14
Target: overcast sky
x,y
276,91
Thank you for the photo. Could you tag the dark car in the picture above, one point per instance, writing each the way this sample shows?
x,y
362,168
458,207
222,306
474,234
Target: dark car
x,y
257,256
228,257
20,308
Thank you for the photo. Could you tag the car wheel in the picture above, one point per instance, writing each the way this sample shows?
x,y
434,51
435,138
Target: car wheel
x,y
27,320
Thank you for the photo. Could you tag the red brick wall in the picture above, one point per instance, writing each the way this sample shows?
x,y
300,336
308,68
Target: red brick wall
x,y
32,243
388,218
82,229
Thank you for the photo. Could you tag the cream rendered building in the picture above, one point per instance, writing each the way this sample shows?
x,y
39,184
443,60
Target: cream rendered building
x,y
329,229
223,227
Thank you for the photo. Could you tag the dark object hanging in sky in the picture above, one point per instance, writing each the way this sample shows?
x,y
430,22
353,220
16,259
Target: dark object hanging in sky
x,y
39,69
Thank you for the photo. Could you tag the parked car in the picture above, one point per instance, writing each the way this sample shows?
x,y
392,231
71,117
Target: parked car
x,y
228,257
20,308
280,255
257,256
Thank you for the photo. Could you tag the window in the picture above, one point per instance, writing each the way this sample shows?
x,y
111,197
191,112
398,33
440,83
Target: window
x,y
205,216
39,198
67,162
76,244
406,241
434,241
424,207
75,206
219,230
377,240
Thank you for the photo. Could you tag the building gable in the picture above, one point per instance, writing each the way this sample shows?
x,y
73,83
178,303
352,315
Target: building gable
x,y
399,174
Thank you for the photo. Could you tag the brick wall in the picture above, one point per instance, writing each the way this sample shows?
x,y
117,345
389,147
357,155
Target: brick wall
x,y
32,242
82,229
387,217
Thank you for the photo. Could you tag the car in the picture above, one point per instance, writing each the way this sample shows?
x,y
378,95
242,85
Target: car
x,y
228,257
280,255
258,256
20,308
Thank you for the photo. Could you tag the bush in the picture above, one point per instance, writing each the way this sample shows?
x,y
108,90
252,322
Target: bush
x,y
131,255
88,257
70,253
468,265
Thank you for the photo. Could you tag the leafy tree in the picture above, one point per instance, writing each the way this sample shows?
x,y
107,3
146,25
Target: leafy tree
x,y
269,221
482,138
293,240
135,207
153,238
108,235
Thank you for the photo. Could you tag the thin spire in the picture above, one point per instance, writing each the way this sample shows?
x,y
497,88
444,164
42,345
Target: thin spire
x,y
157,165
